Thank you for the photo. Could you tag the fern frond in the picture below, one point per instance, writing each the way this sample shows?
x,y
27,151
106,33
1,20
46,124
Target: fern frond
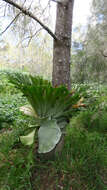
x,y
47,101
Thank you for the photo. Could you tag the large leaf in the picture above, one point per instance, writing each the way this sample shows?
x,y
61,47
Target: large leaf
x,y
49,135
28,139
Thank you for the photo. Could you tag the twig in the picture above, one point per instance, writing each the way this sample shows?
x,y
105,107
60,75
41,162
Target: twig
x,y
10,24
5,10
30,37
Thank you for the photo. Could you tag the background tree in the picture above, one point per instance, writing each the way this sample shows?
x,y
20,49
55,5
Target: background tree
x,y
90,61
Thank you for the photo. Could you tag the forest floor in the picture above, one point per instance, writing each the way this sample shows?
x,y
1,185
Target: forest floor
x,y
82,164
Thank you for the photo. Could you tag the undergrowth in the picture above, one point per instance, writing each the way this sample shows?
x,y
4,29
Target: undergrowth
x,y
82,164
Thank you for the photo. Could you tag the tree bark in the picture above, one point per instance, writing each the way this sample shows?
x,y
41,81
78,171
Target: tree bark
x,y
62,46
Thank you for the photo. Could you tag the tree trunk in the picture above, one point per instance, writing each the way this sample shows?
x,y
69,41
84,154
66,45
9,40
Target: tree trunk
x,y
62,46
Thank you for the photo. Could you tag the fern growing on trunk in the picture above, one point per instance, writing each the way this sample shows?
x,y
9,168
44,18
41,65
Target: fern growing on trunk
x,y
52,107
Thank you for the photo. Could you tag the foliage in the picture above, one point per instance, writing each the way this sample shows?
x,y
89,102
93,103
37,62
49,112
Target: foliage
x,y
49,135
10,102
82,164
86,155
91,121
15,160
89,63
8,106
5,86
93,93
52,107
88,66
43,97
16,164
93,116
83,161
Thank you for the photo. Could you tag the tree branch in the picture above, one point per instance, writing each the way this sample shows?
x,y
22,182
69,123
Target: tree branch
x,y
10,24
28,13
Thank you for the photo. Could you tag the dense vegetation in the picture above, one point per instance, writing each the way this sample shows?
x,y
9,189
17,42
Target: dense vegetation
x,y
82,164
89,59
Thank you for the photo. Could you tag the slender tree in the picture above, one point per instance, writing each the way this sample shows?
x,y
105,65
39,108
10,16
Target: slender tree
x,y
62,46
62,39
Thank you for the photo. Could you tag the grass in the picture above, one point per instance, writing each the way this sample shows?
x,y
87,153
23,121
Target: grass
x,y
82,164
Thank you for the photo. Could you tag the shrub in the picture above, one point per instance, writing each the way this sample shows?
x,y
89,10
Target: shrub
x,y
91,121
84,158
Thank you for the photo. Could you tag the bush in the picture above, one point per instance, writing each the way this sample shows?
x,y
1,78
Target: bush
x,y
9,108
91,121
5,86
95,95
84,159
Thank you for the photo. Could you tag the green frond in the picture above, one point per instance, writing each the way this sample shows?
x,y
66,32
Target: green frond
x,y
48,102
51,108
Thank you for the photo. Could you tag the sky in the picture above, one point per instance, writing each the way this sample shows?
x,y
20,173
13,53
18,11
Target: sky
x,y
81,12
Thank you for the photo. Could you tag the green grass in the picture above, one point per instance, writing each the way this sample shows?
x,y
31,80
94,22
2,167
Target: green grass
x,y
83,162
81,165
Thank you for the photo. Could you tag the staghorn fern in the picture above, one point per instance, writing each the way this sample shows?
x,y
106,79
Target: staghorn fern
x,y
52,106
45,100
